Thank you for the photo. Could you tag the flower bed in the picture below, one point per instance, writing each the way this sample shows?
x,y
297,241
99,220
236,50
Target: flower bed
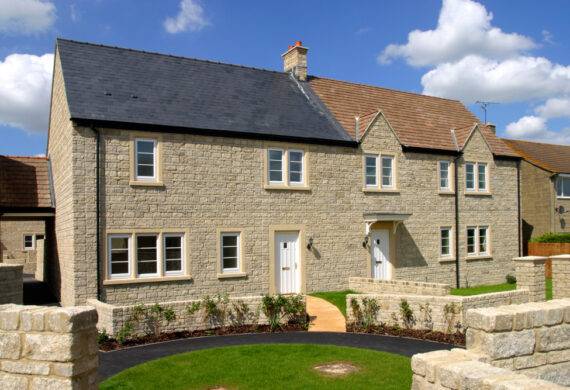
x,y
457,338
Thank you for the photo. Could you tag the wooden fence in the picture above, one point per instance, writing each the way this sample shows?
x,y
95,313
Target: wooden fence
x,y
548,249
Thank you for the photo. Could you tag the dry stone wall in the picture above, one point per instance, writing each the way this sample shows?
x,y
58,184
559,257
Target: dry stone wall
x,y
375,286
11,283
48,347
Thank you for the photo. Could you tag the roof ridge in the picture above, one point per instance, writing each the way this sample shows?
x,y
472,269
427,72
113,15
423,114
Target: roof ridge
x,y
170,55
386,89
14,156
533,142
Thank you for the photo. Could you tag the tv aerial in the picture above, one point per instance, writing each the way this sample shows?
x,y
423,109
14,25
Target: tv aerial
x,y
484,105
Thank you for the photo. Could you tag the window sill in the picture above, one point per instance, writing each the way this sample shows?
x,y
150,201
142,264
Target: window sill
x,y
377,190
232,275
481,257
447,260
563,197
282,187
114,282
478,194
142,183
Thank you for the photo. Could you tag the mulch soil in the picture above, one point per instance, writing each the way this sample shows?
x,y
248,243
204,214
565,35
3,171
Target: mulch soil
x,y
457,338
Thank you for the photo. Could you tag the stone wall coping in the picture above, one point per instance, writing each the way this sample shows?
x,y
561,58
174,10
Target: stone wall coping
x,y
561,257
109,306
46,318
11,266
531,258
448,298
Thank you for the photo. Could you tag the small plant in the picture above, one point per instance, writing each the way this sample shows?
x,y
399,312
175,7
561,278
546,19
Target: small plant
x,y
125,332
272,307
152,318
356,311
370,310
395,321
407,314
216,310
279,308
296,311
240,314
193,308
427,319
451,311
102,336
511,279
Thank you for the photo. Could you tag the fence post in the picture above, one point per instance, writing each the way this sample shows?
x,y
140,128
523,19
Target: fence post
x,y
560,276
530,276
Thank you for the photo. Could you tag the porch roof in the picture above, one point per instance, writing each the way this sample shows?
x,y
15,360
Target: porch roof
x,y
385,216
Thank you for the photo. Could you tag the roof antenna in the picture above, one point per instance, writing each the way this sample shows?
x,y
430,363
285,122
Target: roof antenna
x,y
484,104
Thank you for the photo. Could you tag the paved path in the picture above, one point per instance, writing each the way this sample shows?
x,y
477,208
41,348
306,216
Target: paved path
x,y
325,317
111,363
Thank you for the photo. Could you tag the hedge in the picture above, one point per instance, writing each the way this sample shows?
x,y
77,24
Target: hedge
x,y
552,237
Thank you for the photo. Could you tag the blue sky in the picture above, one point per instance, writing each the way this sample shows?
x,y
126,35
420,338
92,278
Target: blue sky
x,y
515,54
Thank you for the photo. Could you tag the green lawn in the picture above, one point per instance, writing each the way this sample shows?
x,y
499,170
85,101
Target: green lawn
x,y
495,288
267,366
337,298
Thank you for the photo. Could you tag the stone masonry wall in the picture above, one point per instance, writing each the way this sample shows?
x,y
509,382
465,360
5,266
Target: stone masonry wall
x,y
112,318
560,276
533,339
12,231
48,347
11,283
537,196
436,305
375,286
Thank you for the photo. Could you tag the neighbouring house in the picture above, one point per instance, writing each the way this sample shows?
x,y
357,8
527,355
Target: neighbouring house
x,y
26,209
545,187
175,178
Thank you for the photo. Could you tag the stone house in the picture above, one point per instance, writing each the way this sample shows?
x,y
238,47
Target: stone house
x,y
545,187
176,178
25,209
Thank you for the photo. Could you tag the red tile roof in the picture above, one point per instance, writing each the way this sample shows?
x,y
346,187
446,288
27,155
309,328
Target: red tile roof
x,y
419,120
551,157
24,182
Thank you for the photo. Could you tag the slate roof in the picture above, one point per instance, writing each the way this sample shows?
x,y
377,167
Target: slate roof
x,y
24,182
420,121
551,157
113,84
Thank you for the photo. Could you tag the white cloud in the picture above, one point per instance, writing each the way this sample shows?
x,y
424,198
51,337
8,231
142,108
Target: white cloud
x,y
547,37
26,16
535,128
464,28
521,78
190,17
25,82
74,13
555,108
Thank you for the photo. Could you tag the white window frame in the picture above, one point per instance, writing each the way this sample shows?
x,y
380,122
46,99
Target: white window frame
x,y
559,179
182,254
296,183
154,159
375,157
392,176
237,269
30,248
283,165
440,176
450,244
110,275
477,238
476,188
136,255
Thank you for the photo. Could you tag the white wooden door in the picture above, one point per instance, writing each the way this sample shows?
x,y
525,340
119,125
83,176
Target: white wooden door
x,y
380,254
288,275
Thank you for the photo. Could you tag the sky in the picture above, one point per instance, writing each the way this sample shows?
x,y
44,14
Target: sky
x,y
513,54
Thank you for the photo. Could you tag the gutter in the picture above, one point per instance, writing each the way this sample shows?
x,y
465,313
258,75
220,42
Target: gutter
x,y
97,210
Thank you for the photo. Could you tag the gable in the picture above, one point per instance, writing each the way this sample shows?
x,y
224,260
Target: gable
x,y
476,147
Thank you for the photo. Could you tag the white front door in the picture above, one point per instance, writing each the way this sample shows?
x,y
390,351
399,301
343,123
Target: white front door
x,y
288,275
380,254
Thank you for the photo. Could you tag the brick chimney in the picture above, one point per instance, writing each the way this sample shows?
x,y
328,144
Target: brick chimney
x,y
295,60
492,127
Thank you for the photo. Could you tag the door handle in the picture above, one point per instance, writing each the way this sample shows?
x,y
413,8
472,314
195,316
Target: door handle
x,y
285,268
378,261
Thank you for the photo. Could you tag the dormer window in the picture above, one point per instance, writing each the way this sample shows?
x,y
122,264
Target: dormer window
x,y
476,177
379,172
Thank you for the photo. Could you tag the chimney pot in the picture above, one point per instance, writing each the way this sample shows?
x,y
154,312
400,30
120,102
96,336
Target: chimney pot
x,y
295,60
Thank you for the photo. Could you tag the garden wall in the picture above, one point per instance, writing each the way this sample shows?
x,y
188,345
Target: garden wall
x,y
548,249
439,313
11,283
374,286
112,317
48,347
533,339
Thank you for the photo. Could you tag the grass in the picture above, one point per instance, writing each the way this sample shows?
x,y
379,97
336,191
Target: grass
x,y
485,289
266,366
337,298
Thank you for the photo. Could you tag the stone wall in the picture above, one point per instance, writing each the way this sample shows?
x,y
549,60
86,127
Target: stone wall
x,y
459,369
437,305
537,201
561,276
12,231
48,347
530,273
112,318
11,283
533,339
375,286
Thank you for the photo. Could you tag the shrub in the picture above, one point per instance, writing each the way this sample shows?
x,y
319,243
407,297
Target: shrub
x,y
450,311
102,337
279,308
240,314
407,314
356,311
427,320
511,279
216,310
552,238
152,318
125,332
